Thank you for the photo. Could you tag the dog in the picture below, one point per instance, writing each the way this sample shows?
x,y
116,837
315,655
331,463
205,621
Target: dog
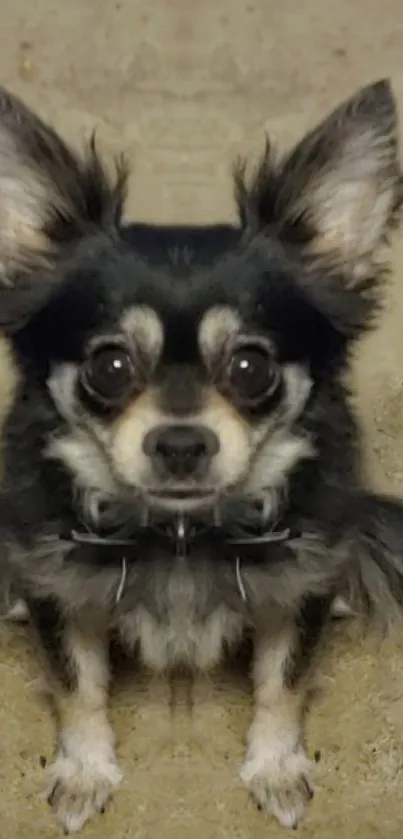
x,y
181,464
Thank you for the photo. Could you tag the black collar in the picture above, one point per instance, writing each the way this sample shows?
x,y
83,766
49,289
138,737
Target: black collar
x,y
180,536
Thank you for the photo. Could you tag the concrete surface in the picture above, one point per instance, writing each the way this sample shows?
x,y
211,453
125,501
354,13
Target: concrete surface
x,y
182,87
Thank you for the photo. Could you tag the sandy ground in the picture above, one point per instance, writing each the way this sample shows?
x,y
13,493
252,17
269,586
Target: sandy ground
x,y
183,87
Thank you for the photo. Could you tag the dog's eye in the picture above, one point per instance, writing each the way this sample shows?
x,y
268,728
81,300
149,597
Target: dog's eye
x,y
108,374
253,374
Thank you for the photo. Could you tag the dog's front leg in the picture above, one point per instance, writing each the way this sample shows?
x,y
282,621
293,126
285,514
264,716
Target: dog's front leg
x,y
85,772
276,769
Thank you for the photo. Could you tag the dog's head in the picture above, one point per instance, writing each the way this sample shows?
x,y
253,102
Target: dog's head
x,y
180,363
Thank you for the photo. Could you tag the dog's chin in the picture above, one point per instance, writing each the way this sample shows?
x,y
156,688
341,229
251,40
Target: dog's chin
x,y
177,500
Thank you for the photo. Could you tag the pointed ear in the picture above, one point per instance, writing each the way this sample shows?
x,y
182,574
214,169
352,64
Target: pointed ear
x,y
337,193
48,194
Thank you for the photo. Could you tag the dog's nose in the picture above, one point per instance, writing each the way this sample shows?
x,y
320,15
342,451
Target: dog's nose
x,y
182,451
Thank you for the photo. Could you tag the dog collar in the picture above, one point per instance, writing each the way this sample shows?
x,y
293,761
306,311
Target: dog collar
x,y
182,537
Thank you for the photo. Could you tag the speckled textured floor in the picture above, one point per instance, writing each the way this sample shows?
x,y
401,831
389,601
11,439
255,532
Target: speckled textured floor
x,y
182,88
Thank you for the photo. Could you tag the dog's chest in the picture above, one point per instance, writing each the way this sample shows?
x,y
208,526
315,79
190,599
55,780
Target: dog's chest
x,y
185,616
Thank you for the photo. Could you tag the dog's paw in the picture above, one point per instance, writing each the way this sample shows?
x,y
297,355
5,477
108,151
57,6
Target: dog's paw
x,y
279,782
78,789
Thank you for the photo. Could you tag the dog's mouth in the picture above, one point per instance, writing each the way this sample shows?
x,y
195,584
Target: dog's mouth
x,y
180,498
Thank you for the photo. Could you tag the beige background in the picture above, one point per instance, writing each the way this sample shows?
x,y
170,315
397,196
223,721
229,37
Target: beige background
x,y
182,87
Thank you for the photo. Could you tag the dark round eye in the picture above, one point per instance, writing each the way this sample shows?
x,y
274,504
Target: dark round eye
x,y
108,374
253,374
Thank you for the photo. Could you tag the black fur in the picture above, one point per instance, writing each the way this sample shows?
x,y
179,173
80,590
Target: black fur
x,y
49,623
294,275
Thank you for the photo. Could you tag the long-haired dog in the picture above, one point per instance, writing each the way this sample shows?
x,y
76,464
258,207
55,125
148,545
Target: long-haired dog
x,y
180,462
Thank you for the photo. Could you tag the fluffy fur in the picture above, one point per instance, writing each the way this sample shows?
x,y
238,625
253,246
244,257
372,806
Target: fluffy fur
x,y
221,355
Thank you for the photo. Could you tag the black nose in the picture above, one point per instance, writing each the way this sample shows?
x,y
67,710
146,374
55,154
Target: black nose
x,y
182,451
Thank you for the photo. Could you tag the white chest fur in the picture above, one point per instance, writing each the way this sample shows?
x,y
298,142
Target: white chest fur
x,y
186,627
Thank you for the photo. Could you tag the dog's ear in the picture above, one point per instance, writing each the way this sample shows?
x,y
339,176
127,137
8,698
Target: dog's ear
x,y
48,195
338,192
